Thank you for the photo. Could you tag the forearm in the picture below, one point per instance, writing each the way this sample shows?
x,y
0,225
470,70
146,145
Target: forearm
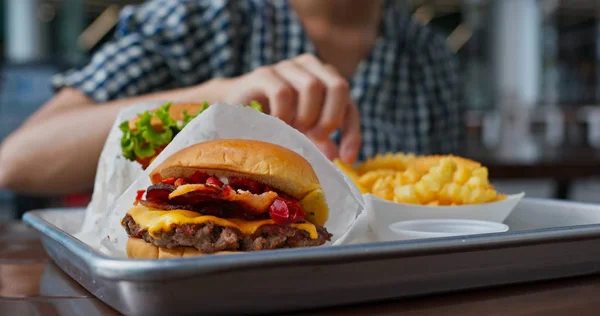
x,y
207,91
57,155
56,151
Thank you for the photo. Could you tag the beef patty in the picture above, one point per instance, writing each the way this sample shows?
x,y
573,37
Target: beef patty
x,y
209,237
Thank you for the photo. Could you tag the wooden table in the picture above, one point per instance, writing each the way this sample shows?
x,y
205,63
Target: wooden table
x,y
30,284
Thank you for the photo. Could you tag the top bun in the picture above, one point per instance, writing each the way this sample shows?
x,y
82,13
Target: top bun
x,y
263,162
175,111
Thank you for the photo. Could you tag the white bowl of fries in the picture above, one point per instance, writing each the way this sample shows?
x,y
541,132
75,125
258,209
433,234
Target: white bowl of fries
x,y
382,213
401,187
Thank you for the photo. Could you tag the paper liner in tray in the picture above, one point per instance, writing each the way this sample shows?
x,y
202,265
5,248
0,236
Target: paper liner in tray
x,y
382,213
221,121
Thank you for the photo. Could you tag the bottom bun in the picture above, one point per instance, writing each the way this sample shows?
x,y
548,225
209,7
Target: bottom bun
x,y
139,249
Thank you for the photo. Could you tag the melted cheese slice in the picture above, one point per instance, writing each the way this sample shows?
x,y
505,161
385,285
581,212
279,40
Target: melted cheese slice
x,y
155,221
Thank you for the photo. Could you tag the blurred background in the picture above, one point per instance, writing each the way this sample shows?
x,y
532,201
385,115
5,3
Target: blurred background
x,y
530,69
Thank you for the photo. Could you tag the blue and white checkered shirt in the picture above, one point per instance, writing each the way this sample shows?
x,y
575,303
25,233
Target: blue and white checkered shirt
x,y
407,89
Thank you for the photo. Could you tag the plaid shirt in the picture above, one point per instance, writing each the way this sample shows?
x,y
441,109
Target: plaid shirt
x,y
407,88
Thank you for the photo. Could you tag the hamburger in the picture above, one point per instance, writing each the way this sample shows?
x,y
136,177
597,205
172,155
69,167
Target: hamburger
x,y
146,135
227,196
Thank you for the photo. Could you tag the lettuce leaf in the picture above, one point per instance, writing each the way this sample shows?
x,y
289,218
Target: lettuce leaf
x,y
188,118
145,141
128,142
255,105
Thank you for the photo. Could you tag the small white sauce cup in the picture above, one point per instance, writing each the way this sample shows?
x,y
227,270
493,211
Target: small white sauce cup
x,y
436,228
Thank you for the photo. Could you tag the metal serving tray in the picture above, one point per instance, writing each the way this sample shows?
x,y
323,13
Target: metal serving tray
x,y
548,239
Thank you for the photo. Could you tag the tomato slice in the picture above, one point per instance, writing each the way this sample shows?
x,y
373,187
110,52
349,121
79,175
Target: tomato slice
x,y
214,181
198,177
138,196
284,212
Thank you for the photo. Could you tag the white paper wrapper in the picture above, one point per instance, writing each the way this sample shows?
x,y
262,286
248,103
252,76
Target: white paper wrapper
x,y
118,179
114,175
221,121
382,213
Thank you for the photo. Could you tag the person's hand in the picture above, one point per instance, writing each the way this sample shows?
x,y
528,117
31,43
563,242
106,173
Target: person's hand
x,y
308,95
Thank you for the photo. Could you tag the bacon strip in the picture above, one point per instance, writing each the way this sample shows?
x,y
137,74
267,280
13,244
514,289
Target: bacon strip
x,y
166,206
159,192
198,193
199,188
241,198
195,194
260,203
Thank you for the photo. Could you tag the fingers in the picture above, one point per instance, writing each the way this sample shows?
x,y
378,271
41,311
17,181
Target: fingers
x,y
310,91
350,138
336,104
313,98
337,97
280,93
